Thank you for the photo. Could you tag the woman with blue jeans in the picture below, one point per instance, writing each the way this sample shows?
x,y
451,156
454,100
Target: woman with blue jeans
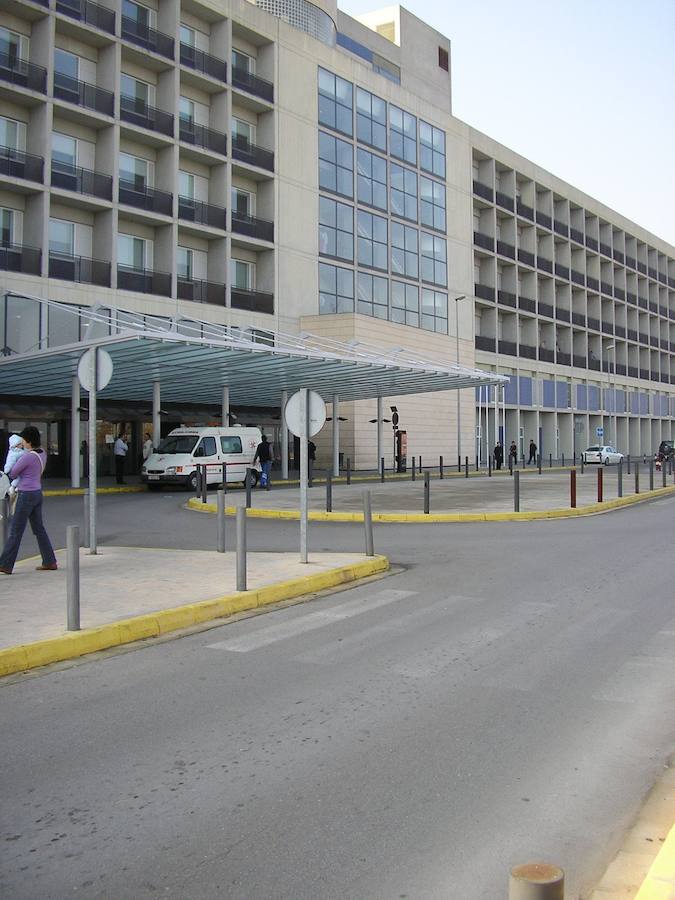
x,y
28,505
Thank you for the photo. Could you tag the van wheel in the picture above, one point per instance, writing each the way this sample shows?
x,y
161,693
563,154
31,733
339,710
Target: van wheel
x,y
192,482
255,478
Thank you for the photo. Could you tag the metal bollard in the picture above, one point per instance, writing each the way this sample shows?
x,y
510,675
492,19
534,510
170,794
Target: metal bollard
x,y
539,463
600,474
85,520
651,474
329,492
581,460
241,548
490,466
563,460
476,463
440,468
382,470
248,485
663,472
427,492
221,521
205,484
628,464
537,881
459,463
349,471
573,488
73,577
466,466
368,523
574,458
412,472
420,464
516,491
637,477
224,481
550,460
619,480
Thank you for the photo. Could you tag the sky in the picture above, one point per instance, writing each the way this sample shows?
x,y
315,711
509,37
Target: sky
x,y
583,88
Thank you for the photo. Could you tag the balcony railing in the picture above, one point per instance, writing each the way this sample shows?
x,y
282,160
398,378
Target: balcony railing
x,y
19,258
563,315
592,283
144,281
202,213
653,307
485,343
504,200
203,62
619,293
579,319
484,241
245,151
618,256
139,113
201,291
506,249
607,328
544,220
642,267
663,344
83,181
591,243
252,226
527,351
246,81
201,136
594,364
620,369
84,94
632,371
620,331
562,271
506,298
631,298
644,373
17,164
510,348
643,303
145,198
484,191
631,262
253,301
564,359
484,291
88,12
653,341
545,309
79,268
632,334
546,355
561,228
577,277
578,361
525,211
663,311
22,73
524,256
593,323
643,338
527,304
577,235
148,38
606,288
605,249
651,271
545,264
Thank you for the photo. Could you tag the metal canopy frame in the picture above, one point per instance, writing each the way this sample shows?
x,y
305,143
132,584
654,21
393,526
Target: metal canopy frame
x,y
194,359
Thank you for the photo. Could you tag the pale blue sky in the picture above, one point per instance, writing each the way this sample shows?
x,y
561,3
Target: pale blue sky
x,y
584,88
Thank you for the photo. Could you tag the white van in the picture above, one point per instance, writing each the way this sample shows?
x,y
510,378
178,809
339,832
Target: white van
x,y
179,454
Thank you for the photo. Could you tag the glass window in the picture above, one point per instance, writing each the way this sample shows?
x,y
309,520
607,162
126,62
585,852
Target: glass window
x,y
243,202
137,90
336,289
371,119
64,150
187,36
336,229
186,185
243,62
7,227
335,102
11,46
432,204
405,303
371,179
132,251
372,294
402,135
404,250
66,63
140,14
403,192
62,237
432,149
12,134
230,444
135,170
434,259
434,311
372,240
184,262
62,326
206,447
243,275
336,165
243,133
23,324
186,109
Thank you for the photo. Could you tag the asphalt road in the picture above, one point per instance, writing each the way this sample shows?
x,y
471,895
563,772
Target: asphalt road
x,y
508,697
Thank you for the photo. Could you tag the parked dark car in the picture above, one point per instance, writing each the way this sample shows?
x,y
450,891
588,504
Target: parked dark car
x,y
665,450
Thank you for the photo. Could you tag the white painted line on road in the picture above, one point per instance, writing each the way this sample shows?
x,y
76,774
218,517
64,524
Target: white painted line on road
x,y
439,659
296,626
641,680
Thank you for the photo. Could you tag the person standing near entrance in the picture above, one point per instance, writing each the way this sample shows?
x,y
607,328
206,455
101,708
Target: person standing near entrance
x,y
498,454
513,455
148,448
28,505
533,453
263,454
120,451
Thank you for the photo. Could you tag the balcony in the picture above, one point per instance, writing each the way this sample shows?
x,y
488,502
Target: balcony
x,y
642,267
653,341
485,343
545,264
561,228
606,288
147,38
201,291
245,81
546,355
506,298
203,62
618,256
644,373
620,369
17,164
253,301
88,12
525,211
504,200
643,338
252,226
631,262
79,269
82,181
544,220
562,272
524,256
592,283
83,94
663,311
607,328
663,344
632,334
577,235
564,359
510,348
579,361
619,293
631,298
632,371
144,281
527,304
620,331
563,315
577,277
579,319
19,258
528,352
593,323
22,73
484,191
594,364
653,307
506,249
652,272
545,309
143,197
142,114
591,243
245,151
605,249
484,241
484,291
643,303
201,136
202,213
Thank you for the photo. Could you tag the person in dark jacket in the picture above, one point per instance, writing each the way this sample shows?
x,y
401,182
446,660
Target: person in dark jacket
x,y
263,455
533,453
513,455
498,454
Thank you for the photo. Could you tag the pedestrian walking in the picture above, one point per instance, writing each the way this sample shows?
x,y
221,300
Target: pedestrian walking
x,y
28,505
498,455
263,455
533,453
120,451
513,455
311,458
147,447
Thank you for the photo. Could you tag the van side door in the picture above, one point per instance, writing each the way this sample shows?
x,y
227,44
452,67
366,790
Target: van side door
x,y
206,451
231,449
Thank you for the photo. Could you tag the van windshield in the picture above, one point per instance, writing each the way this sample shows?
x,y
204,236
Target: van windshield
x,y
178,443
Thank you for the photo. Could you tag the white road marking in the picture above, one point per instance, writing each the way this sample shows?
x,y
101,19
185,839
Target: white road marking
x,y
281,631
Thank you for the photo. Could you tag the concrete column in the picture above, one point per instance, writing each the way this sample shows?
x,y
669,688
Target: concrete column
x,y
380,440
283,439
156,428
226,406
75,433
336,436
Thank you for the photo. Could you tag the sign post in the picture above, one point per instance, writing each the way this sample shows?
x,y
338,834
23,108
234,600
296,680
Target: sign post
x,y
94,371
599,431
305,415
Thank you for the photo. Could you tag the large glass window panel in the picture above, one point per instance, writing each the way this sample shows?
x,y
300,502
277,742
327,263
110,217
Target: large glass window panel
x,y
434,311
184,262
372,295
405,303
66,63
243,61
62,326
12,134
11,45
186,185
22,325
372,240
62,237
371,179
434,259
403,191
140,14
136,170
336,229
336,165
64,149
7,227
132,251
402,135
335,102
432,204
404,250
371,119
336,289
137,90
432,149
243,275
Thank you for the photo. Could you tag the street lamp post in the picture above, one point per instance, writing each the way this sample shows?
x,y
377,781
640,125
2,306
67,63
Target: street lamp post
x,y
459,414
613,442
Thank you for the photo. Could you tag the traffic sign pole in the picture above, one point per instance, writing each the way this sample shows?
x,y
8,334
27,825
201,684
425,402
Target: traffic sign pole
x,y
304,471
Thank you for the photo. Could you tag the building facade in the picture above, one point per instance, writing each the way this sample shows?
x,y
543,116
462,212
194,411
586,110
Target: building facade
x,y
279,166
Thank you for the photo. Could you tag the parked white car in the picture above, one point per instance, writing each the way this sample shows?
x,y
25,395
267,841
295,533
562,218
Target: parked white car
x,y
607,456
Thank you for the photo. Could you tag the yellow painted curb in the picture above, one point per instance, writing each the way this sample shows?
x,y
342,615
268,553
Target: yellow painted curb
x,y
660,881
440,518
125,631
79,492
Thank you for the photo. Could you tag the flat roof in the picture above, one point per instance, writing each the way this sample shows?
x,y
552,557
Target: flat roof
x,y
194,359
